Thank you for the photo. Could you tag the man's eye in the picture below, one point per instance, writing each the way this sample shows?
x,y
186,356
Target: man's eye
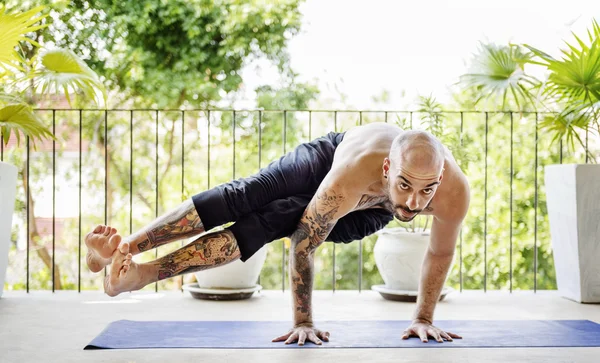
x,y
403,186
427,191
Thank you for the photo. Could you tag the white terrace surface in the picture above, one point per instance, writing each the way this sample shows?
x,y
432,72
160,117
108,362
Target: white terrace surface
x,y
46,327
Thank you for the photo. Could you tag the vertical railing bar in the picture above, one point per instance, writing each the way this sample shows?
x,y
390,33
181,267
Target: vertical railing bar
x,y
360,243
587,152
259,154
259,140
511,203
535,210
461,230
560,146
131,172
411,120
182,172
485,206
105,173
156,180
79,218
28,219
53,200
208,149
1,146
309,125
282,241
333,274
386,116
233,142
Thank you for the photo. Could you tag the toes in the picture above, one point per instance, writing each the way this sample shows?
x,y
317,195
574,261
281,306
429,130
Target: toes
x,y
113,242
124,248
123,271
106,231
98,228
112,231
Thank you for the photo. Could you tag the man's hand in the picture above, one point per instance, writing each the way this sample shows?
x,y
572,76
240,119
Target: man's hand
x,y
301,333
424,329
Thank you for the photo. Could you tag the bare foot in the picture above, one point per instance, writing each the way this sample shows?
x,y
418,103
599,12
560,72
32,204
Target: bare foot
x,y
101,244
125,275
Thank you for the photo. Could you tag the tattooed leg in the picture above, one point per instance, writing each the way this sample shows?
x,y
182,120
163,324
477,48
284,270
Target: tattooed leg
x,y
208,251
182,222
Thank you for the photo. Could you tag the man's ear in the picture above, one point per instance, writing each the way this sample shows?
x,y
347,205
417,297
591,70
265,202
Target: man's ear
x,y
386,166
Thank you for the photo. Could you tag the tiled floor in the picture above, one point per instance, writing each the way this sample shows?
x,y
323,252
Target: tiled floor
x,y
46,327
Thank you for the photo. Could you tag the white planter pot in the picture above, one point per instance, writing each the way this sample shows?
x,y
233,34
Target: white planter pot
x,y
573,200
234,275
399,255
8,191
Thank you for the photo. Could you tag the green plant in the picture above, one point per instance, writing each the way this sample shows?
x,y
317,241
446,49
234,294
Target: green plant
x,y
57,69
499,72
573,84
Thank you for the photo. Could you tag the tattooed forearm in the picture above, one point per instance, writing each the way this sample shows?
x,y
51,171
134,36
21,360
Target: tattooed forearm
x,y
182,222
208,251
315,225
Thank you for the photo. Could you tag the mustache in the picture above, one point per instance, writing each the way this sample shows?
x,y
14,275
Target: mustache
x,y
406,209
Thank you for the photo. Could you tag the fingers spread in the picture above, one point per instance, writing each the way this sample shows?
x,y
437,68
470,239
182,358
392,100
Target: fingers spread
x,y
423,335
435,335
455,336
292,338
446,336
313,338
302,337
283,337
406,334
323,335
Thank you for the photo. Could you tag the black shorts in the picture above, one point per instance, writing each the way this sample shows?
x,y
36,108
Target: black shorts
x,y
269,204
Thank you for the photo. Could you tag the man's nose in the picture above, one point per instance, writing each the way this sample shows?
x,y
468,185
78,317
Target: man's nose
x,y
412,202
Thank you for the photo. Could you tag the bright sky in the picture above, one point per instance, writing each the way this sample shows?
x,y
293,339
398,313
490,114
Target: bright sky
x,y
419,47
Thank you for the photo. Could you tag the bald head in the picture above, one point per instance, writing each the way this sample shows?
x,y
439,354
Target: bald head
x,y
418,153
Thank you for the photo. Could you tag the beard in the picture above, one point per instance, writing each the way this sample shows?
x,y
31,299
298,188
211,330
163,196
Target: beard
x,y
394,207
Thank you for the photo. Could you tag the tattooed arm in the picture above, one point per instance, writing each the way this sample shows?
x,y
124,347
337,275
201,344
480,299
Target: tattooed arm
x,y
327,206
182,222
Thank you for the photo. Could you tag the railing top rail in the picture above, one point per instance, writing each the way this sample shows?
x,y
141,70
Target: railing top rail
x,y
283,110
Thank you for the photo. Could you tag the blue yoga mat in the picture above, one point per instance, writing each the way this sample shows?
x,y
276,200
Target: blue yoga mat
x,y
127,334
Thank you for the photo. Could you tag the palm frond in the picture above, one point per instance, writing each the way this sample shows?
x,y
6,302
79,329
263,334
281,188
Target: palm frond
x,y
497,71
63,71
20,118
13,28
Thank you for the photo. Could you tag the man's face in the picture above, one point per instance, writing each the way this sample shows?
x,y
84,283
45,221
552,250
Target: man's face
x,y
408,193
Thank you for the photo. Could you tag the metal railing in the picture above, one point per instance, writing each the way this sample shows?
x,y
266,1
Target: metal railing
x,y
237,116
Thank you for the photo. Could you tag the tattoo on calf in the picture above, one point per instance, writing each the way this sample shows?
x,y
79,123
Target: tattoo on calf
x,y
206,252
182,223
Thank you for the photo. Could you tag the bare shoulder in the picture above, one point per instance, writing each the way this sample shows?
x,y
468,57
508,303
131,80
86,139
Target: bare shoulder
x,y
454,197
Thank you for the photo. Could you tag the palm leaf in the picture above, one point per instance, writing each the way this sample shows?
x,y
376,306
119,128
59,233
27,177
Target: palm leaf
x,y
13,28
497,71
62,70
574,82
20,118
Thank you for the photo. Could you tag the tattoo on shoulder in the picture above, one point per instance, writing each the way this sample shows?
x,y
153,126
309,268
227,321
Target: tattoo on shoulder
x,y
367,201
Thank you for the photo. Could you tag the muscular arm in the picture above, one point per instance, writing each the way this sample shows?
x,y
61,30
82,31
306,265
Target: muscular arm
x,y
327,206
437,261
434,270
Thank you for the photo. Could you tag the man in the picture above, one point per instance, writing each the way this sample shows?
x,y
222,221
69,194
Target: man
x,y
340,187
